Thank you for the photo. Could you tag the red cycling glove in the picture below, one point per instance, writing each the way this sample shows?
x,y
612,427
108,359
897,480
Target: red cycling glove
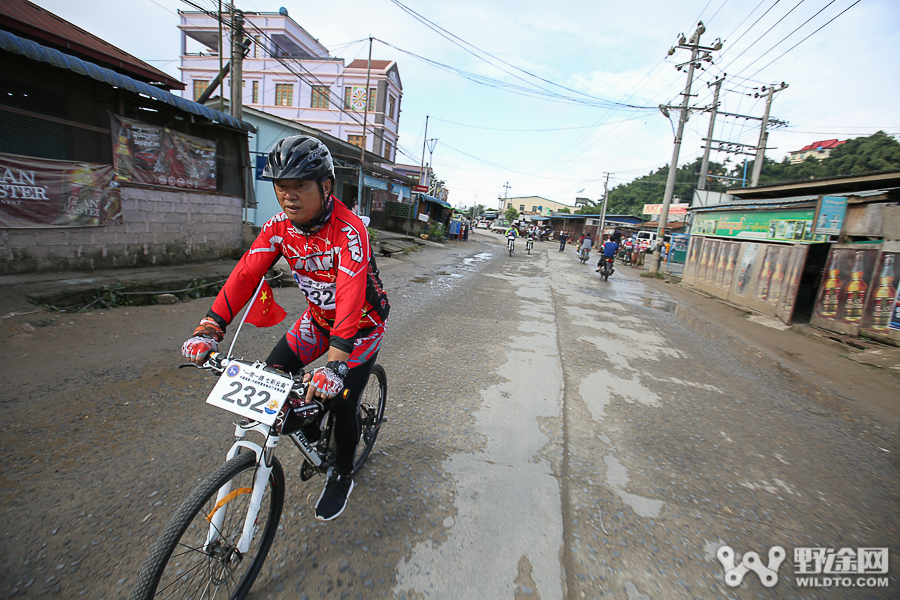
x,y
206,339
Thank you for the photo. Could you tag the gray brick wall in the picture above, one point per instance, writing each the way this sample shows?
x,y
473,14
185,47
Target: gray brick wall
x,y
161,228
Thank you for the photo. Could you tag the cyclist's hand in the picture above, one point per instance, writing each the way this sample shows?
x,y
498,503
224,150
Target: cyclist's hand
x,y
206,339
198,348
327,381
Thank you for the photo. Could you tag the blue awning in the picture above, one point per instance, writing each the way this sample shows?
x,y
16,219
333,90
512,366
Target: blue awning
x,y
427,198
33,50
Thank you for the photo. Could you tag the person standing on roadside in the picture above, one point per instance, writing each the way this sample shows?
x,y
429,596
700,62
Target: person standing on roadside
x,y
563,238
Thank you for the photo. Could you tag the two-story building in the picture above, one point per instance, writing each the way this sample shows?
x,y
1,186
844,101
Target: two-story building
x,y
533,205
289,74
819,150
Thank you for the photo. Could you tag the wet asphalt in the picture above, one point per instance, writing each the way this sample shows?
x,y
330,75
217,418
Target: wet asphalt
x,y
549,435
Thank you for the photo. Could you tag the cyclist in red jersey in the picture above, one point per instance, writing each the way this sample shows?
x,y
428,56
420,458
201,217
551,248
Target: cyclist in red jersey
x,y
327,248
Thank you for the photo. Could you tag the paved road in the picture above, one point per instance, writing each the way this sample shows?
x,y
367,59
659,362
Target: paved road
x,y
551,435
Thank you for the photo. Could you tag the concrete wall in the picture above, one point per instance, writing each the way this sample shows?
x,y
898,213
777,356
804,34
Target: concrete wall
x,y
161,228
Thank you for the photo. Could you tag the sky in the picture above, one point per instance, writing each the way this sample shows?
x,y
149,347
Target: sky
x,y
572,86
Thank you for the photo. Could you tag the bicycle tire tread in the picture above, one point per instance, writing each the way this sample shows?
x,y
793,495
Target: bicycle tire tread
x,y
153,567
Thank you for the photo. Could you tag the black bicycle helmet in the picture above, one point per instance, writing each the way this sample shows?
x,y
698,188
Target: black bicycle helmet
x,y
299,157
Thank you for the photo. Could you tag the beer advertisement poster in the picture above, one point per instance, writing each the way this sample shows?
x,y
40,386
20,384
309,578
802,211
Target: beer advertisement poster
x,y
154,155
57,193
880,312
844,290
746,269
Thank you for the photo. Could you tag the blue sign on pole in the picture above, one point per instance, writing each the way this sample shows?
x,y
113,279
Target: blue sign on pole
x,y
260,165
830,219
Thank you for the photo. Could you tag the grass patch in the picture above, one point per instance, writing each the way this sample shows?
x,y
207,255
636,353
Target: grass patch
x,y
652,276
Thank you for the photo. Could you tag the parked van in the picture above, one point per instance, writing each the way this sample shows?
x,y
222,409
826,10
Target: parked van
x,y
647,239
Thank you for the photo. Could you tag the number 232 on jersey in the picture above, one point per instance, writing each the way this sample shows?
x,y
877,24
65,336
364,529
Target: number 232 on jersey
x,y
247,390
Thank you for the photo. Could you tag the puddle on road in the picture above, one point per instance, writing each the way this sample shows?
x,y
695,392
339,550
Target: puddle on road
x,y
658,303
481,256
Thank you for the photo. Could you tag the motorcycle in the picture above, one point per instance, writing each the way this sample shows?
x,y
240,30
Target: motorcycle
x,y
606,268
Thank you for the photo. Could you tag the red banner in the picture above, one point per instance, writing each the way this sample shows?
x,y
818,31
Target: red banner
x,y
156,155
56,193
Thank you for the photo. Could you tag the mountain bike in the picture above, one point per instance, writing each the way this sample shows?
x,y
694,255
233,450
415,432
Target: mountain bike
x,y
511,244
529,244
215,544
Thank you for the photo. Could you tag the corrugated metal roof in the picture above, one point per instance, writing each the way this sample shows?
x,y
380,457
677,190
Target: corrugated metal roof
x,y
30,20
750,204
16,45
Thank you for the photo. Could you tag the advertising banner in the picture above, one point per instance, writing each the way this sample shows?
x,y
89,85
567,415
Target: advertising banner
x,y
56,193
842,296
746,270
155,155
830,218
782,225
674,209
881,312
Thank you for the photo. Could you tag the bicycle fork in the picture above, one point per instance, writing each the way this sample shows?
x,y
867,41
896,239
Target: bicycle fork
x,y
264,464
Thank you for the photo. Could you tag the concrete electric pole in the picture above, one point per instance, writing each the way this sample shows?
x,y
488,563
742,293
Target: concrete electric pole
x,y
764,134
237,58
603,208
704,166
694,46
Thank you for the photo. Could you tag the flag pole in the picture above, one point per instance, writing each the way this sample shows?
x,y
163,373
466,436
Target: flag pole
x,y
244,318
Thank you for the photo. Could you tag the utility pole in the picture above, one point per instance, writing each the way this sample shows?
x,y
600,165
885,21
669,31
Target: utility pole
x,y
763,134
237,58
431,145
704,166
505,190
221,66
362,149
694,46
603,209
424,142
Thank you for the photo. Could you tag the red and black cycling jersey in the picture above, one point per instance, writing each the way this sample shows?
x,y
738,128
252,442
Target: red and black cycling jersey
x,y
334,267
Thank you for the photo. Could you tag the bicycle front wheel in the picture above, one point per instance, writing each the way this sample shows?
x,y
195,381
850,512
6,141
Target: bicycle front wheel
x,y
371,413
181,563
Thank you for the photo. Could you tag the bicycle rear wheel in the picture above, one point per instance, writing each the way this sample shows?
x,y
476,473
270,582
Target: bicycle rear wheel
x,y
180,567
371,413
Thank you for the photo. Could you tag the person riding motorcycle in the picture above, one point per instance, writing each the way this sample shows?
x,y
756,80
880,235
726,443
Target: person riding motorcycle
x,y
609,253
327,248
586,245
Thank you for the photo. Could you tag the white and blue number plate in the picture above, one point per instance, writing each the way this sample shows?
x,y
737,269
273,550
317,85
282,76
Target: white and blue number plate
x,y
247,390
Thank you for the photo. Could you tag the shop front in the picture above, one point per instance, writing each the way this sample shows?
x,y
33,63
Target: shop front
x,y
762,256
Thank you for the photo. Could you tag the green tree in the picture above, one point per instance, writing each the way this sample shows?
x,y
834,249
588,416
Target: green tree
x,y
564,210
511,213
877,152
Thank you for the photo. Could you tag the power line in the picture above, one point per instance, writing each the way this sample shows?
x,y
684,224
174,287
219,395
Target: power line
x,y
464,45
790,34
806,38
766,32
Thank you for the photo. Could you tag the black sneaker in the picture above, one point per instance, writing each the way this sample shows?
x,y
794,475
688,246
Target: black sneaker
x,y
334,497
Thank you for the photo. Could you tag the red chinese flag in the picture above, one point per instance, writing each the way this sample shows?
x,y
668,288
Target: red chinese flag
x,y
265,312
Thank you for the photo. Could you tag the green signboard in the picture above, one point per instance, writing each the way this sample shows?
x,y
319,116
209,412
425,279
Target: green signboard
x,y
775,225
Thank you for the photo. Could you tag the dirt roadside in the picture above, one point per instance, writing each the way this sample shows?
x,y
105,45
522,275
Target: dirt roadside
x,y
817,363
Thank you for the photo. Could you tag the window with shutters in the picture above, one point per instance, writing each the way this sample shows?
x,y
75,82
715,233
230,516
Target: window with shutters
x,y
356,140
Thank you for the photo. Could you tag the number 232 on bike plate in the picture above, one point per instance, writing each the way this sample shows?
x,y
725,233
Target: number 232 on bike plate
x,y
247,390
